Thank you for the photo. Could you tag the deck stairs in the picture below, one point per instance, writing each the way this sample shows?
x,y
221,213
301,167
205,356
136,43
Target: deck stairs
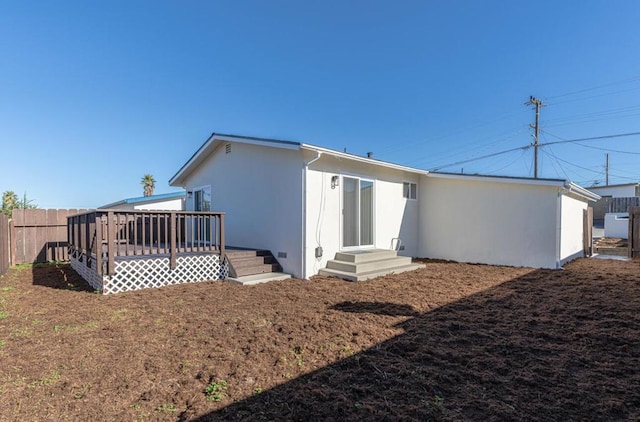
x,y
368,263
250,266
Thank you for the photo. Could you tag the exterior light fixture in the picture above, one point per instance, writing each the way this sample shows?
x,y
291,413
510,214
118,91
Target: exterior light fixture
x,y
335,181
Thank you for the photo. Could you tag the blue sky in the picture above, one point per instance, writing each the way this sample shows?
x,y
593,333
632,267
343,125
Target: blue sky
x,y
96,94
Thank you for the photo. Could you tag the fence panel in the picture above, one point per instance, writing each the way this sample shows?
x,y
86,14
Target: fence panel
x,y
587,232
40,235
622,204
5,261
634,232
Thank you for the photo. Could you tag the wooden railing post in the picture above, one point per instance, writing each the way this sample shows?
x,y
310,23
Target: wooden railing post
x,y
69,236
222,240
87,241
172,242
99,243
111,239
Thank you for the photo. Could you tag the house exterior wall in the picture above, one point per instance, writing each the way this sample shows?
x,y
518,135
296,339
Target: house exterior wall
x,y
621,191
166,205
488,222
571,228
601,207
394,215
259,188
176,204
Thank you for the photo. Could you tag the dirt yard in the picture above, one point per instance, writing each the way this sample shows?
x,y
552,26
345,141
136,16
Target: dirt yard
x,y
449,342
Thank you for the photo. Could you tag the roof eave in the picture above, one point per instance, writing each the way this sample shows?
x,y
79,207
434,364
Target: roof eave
x,y
500,179
175,180
360,159
582,192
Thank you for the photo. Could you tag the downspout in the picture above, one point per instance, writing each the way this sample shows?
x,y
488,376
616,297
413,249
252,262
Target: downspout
x,y
561,193
304,211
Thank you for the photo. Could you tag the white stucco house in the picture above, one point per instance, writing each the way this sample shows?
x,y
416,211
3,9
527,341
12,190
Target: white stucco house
x,y
306,203
607,193
624,190
174,201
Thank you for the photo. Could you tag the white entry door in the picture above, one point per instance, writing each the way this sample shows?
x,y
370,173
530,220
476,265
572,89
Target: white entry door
x,y
357,212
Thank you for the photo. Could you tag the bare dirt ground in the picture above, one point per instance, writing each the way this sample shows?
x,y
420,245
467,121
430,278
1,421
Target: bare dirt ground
x,y
449,342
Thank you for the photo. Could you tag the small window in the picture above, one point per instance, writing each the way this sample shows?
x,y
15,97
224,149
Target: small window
x,y
409,190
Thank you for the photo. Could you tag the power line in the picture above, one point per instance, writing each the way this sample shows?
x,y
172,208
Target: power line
x,y
572,164
609,149
591,120
595,96
494,171
634,78
479,158
591,170
593,138
595,114
525,147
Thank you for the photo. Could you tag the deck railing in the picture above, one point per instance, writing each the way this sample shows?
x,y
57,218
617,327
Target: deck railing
x,y
105,235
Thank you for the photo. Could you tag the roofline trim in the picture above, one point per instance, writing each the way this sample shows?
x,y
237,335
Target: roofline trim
x,y
221,137
613,186
366,160
143,199
500,179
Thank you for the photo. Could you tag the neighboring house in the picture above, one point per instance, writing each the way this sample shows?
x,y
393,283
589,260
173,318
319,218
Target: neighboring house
x,y
174,201
600,208
305,203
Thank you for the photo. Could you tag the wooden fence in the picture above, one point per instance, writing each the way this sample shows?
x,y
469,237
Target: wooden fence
x,y
40,235
5,257
622,204
587,231
634,232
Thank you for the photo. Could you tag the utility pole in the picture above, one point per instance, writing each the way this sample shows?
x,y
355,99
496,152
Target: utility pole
x,y
538,103
607,170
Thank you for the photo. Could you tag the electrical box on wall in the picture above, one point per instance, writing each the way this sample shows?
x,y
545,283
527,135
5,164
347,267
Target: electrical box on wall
x,y
282,254
319,252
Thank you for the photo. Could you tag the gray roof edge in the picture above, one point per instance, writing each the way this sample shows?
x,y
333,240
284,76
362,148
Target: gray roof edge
x,y
613,186
143,199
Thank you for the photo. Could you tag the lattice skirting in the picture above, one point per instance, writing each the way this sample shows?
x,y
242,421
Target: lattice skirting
x,y
142,273
88,273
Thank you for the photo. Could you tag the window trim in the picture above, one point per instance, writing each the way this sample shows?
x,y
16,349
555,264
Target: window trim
x,y
408,194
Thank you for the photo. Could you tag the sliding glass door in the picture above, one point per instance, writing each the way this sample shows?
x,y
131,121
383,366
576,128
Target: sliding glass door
x,y
357,212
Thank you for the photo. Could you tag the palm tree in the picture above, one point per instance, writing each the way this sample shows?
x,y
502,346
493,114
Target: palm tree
x,y
9,202
149,184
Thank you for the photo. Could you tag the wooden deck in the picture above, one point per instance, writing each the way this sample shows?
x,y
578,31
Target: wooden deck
x,y
128,234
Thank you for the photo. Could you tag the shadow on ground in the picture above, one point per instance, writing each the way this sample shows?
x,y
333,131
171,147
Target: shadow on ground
x,y
377,308
59,276
551,345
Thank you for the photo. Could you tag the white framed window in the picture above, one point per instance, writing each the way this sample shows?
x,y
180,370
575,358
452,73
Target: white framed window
x,y
409,190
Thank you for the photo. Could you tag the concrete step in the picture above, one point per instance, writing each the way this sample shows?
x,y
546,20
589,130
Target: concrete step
x,y
250,280
365,255
369,265
369,274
